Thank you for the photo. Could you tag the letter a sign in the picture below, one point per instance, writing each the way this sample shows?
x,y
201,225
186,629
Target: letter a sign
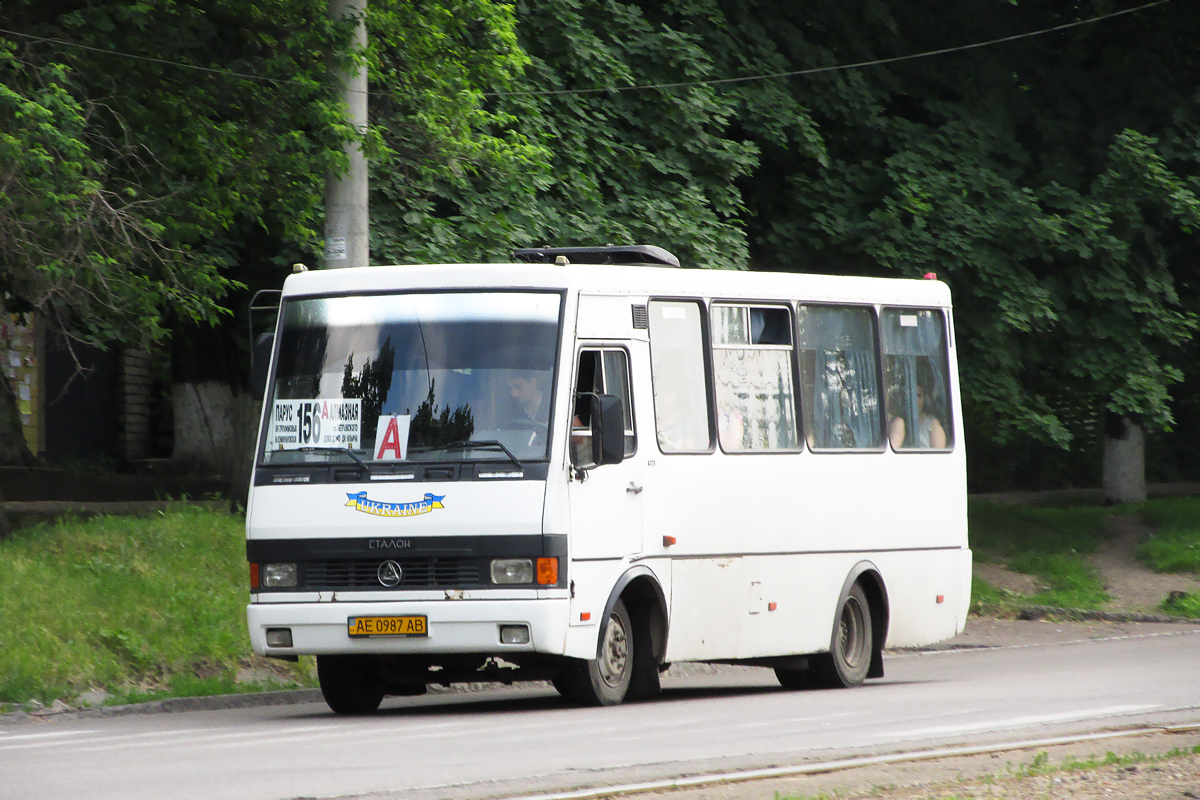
x,y
391,438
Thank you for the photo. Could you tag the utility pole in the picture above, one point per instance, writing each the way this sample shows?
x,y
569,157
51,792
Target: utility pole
x,y
346,221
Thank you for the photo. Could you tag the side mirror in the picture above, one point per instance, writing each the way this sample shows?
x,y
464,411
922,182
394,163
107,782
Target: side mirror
x,y
608,429
260,364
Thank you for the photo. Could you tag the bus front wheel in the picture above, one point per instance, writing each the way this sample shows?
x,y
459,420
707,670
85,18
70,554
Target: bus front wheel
x,y
603,681
349,684
849,657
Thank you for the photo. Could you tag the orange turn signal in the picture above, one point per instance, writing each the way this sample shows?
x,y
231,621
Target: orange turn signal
x,y
547,571
253,577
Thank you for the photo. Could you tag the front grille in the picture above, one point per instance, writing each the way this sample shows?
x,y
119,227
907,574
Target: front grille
x,y
362,573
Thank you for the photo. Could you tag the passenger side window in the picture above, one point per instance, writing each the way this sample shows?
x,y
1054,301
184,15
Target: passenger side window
x,y
753,373
677,359
839,377
918,381
601,371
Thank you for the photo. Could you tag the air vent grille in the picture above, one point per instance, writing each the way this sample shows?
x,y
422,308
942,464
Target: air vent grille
x,y
416,573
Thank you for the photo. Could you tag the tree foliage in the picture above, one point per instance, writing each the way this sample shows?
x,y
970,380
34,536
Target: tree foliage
x,y
1051,179
586,166
79,242
147,156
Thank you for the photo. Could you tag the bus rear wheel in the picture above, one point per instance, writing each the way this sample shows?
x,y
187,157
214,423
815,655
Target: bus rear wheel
x,y
849,657
349,684
604,681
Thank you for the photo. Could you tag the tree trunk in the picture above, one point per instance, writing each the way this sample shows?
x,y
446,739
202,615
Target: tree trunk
x,y
14,452
1124,461
215,434
204,428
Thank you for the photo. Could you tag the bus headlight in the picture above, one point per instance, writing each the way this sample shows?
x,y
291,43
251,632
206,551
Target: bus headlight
x,y
278,576
512,570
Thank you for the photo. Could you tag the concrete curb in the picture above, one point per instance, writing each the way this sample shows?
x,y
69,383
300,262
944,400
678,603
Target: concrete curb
x,y
1029,613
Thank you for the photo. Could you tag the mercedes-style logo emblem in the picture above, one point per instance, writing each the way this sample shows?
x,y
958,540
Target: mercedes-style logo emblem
x,y
389,573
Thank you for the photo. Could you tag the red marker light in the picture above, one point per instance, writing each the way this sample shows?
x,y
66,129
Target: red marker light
x,y
668,541
941,598
931,276
585,616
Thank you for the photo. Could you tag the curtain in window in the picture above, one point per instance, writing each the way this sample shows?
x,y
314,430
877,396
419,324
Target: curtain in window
x,y
915,344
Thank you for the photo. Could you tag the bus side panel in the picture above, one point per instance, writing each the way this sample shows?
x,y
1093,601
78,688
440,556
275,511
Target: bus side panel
x,y
930,591
707,607
725,513
792,601
788,529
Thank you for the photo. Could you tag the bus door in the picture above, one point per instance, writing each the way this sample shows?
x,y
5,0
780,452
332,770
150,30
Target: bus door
x,y
606,502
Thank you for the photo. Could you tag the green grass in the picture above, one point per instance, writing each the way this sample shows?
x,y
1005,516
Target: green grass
x,y
1050,543
1186,606
1054,543
1014,531
1175,545
138,607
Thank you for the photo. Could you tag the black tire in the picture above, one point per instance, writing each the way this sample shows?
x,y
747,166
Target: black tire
x,y
605,681
350,684
645,683
790,678
564,682
849,657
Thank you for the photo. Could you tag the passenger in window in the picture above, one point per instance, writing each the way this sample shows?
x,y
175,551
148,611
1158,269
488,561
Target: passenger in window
x,y
581,436
930,435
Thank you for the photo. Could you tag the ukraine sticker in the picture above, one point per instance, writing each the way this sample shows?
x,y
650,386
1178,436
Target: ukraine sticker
x,y
360,502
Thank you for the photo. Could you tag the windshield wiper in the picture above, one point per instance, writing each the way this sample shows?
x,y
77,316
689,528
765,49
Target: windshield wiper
x,y
478,444
345,451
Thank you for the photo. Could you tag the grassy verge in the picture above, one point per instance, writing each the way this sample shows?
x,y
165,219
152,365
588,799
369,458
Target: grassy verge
x,y
133,608
142,608
1054,545
1175,545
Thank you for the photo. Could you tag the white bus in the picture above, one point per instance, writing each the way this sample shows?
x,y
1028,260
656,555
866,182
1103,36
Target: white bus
x,y
583,472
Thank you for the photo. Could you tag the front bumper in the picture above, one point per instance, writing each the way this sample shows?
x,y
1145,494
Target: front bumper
x,y
455,626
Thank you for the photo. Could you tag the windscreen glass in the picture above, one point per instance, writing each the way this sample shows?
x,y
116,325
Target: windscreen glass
x,y
413,377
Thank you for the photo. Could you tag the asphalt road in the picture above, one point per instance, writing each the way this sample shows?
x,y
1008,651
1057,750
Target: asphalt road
x,y
524,741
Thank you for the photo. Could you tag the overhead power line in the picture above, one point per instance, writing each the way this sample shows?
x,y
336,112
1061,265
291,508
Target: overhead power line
x,y
639,87
835,67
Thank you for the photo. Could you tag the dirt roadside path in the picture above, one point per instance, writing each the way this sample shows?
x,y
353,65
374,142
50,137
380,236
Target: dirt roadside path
x,y
1149,767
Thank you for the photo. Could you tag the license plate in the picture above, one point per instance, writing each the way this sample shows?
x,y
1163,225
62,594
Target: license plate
x,y
387,626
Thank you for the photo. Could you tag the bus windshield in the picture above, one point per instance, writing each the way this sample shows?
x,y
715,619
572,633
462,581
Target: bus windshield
x,y
413,377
